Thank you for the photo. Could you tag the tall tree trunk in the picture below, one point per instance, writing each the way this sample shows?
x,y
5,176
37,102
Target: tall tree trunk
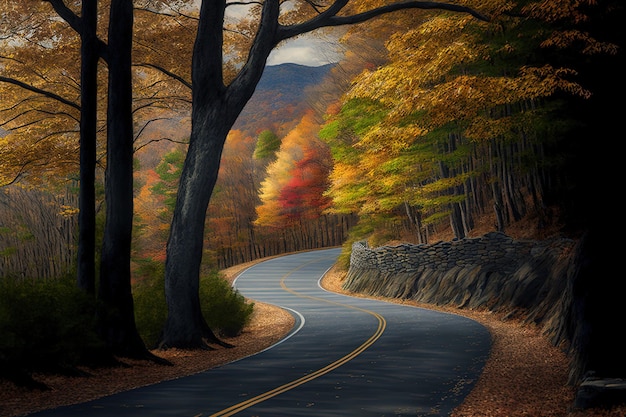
x,y
185,326
495,190
117,321
214,110
86,273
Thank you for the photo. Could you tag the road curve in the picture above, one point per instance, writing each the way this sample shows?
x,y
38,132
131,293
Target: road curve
x,y
344,357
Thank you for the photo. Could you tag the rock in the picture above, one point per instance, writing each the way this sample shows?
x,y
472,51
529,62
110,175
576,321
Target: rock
x,y
601,393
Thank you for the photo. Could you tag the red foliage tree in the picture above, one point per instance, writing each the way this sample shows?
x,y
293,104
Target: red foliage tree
x,y
303,196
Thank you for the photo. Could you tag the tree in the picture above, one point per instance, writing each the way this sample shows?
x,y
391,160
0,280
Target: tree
x,y
215,107
267,145
116,319
86,269
39,108
303,196
117,324
540,67
296,166
472,106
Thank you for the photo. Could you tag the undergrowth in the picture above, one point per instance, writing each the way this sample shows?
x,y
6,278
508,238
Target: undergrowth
x,y
49,326
45,326
226,311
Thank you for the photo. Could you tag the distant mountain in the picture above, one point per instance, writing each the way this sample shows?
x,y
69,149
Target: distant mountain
x,y
280,98
278,104
294,76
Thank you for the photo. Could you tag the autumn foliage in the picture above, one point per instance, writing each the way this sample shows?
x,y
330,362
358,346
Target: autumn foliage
x,y
430,120
294,187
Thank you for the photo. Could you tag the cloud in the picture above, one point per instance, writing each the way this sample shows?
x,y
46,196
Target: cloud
x,y
312,51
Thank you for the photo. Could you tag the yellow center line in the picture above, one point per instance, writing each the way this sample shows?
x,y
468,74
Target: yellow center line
x,y
334,365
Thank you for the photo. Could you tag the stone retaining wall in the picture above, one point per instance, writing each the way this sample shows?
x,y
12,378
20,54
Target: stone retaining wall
x,y
519,277
495,250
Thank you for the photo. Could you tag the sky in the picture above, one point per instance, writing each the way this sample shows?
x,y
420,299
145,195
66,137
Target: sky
x,y
311,50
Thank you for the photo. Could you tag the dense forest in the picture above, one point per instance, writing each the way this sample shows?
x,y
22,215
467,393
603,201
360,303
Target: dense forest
x,y
431,121
422,129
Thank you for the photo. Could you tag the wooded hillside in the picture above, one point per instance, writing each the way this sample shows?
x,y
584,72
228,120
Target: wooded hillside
x,y
431,123
451,120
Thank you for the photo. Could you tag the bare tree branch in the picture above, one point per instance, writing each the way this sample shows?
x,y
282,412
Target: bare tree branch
x,y
67,14
39,91
166,72
159,140
49,115
75,23
175,13
244,3
16,177
329,16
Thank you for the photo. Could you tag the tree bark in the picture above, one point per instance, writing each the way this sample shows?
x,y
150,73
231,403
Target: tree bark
x,y
117,320
86,270
214,110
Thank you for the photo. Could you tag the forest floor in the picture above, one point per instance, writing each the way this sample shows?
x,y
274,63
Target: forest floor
x,y
524,376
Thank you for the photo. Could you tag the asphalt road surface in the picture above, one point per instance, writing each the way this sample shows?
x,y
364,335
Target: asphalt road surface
x,y
344,357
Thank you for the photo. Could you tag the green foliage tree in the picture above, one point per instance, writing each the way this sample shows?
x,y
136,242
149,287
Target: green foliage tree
x,y
46,326
169,173
267,145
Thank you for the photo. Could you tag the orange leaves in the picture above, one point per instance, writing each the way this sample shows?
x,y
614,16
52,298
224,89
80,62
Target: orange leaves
x,y
295,181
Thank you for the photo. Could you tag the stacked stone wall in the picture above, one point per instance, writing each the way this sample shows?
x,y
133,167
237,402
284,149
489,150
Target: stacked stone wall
x,y
495,250
525,278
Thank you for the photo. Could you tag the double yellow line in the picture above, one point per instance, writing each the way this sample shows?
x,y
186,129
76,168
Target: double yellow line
x,y
334,365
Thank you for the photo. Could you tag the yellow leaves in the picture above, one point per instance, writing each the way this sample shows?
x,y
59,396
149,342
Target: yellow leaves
x,y
421,58
268,214
68,211
344,175
490,8
485,128
568,38
390,139
546,80
292,149
555,10
346,186
467,97
569,11
37,153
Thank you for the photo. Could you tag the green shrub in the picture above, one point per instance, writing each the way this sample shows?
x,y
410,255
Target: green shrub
x,y
150,308
46,325
225,310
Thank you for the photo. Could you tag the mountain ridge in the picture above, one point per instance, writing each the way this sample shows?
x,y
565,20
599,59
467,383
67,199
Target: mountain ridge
x,y
279,100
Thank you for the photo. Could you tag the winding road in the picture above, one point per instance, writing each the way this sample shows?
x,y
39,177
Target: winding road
x,y
345,356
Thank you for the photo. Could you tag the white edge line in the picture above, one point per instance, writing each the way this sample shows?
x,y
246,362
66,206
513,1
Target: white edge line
x,y
291,333
319,281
